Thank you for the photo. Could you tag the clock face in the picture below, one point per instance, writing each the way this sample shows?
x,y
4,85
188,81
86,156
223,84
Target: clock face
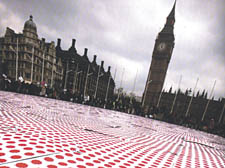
x,y
161,46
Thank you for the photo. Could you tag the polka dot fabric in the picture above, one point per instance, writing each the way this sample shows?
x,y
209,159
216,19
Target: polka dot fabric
x,y
42,132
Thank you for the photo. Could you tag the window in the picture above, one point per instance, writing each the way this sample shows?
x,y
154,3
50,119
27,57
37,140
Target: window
x,y
28,65
27,75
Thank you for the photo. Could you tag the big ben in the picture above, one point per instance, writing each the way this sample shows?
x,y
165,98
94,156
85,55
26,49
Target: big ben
x,y
161,56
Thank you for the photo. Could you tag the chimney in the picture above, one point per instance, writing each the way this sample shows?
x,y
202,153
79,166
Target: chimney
x,y
95,56
109,67
73,43
85,51
102,64
43,42
59,42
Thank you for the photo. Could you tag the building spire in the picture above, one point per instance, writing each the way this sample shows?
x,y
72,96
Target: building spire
x,y
172,13
168,27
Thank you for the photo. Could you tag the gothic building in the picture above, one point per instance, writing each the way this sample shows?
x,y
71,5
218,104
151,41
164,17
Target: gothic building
x,y
84,77
25,55
193,106
161,56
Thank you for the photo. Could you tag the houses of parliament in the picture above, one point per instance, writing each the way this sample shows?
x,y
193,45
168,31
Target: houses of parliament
x,y
198,106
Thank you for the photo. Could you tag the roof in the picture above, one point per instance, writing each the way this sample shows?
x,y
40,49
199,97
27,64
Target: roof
x,y
30,24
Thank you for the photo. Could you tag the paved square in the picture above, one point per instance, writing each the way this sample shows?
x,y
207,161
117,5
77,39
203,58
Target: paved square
x,y
42,132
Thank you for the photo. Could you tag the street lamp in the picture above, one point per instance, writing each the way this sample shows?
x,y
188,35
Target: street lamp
x,y
106,96
32,65
88,74
146,92
54,71
43,65
75,78
120,84
16,52
67,71
66,78
99,75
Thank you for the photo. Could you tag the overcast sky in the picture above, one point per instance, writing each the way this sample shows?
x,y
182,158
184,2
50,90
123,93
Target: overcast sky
x,y
123,33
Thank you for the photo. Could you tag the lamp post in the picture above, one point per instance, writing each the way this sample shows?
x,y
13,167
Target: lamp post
x,y
52,73
16,52
67,67
75,78
32,65
120,84
67,71
146,87
143,102
131,97
99,75
160,95
88,74
106,96
43,65
206,107
66,78
221,115
189,105
175,98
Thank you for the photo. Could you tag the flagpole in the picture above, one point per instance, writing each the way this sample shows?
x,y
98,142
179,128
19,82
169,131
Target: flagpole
x,y
106,96
52,73
189,105
43,64
32,65
120,84
146,87
67,71
114,78
135,81
134,86
206,107
221,115
176,95
17,58
159,98
75,79
96,88
86,80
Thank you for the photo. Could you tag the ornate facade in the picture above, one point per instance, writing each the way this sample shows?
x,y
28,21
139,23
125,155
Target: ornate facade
x,y
85,77
25,55
195,108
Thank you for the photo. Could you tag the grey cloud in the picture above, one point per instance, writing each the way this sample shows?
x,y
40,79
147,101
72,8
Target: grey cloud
x,y
128,29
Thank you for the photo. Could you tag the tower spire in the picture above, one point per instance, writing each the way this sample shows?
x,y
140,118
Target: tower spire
x,y
161,56
170,20
172,13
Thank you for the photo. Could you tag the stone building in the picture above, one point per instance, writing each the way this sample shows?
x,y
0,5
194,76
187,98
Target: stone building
x,y
197,106
161,56
82,76
25,55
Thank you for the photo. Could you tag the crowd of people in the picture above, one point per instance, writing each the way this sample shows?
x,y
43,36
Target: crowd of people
x,y
123,104
208,125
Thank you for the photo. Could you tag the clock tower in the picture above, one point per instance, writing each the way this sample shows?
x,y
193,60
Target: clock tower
x,y
161,56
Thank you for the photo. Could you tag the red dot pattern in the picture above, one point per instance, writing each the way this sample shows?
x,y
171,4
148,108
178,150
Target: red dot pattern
x,y
42,132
